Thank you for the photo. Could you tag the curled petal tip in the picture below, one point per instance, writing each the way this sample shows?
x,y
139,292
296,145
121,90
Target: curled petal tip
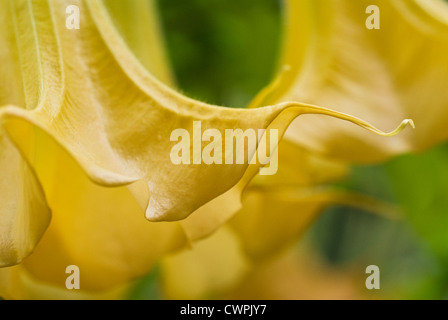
x,y
410,122
400,128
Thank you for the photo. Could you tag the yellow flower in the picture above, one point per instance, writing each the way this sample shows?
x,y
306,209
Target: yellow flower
x,y
218,267
299,275
331,58
86,134
276,210
18,284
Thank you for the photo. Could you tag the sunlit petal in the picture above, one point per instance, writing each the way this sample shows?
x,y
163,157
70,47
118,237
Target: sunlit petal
x,y
214,264
331,58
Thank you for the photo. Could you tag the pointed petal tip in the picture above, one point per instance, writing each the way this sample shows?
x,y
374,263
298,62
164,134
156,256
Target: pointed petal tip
x,y
400,128
410,122
152,216
163,211
402,125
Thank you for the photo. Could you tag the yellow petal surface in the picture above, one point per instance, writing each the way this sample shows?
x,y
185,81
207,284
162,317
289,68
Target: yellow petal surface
x,y
98,102
101,230
272,218
299,276
212,265
17,284
91,116
218,268
331,58
299,167
24,213
138,23
276,210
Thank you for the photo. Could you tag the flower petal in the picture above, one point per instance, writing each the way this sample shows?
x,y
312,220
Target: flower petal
x,y
17,284
24,213
92,116
87,95
214,264
101,230
277,210
272,218
137,21
299,276
399,71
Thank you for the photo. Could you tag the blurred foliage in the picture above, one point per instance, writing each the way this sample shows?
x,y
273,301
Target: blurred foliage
x,y
224,52
412,253
148,288
420,183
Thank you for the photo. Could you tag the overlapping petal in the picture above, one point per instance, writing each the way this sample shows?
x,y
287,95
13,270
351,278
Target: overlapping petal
x,y
275,212
18,284
217,263
86,128
24,212
299,275
138,24
89,106
91,224
331,58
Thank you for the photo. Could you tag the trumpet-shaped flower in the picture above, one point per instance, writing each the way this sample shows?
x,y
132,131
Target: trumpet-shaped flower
x,y
85,134
400,70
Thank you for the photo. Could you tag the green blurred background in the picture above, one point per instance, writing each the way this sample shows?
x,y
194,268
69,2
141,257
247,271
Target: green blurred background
x,y
224,52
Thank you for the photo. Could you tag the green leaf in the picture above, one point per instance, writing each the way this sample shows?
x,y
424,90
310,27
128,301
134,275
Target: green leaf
x,y
420,183
148,288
